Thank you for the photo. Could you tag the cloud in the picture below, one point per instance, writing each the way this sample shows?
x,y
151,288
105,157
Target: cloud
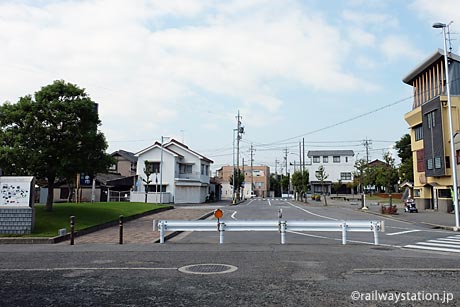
x,y
370,19
148,61
397,46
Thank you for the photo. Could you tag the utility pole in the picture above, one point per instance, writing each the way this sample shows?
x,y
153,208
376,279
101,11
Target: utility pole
x,y
252,172
276,167
244,180
240,131
367,143
303,158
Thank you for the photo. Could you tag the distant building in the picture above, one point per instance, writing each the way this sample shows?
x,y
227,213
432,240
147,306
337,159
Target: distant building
x,y
257,184
429,130
338,165
185,178
126,163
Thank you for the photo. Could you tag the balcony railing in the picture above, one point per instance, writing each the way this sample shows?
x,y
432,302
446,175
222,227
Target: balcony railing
x,y
192,176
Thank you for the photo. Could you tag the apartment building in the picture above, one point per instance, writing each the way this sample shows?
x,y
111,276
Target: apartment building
x,y
338,165
256,183
429,129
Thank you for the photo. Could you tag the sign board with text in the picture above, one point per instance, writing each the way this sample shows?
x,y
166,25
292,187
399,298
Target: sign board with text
x,y
16,191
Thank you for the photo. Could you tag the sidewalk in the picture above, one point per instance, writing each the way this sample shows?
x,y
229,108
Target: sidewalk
x,y
140,230
429,218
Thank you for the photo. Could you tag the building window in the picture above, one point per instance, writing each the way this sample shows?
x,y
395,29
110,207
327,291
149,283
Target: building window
x,y
416,192
437,163
345,176
154,167
336,159
259,185
185,168
447,162
420,161
315,159
418,132
155,187
346,159
444,193
325,159
64,193
113,167
429,164
431,119
457,156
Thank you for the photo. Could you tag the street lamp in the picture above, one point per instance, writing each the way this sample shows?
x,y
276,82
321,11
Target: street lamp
x,y
453,164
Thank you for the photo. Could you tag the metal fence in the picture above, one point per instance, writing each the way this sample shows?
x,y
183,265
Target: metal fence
x,y
271,225
118,196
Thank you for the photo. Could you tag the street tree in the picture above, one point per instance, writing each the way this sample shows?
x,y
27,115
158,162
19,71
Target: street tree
x,y
406,168
284,182
337,186
300,181
52,135
322,176
275,185
387,174
148,171
239,179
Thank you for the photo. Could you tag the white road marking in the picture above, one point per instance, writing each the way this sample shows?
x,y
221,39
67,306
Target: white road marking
x,y
86,269
408,269
335,239
250,202
445,242
318,215
433,248
233,215
269,203
402,232
438,244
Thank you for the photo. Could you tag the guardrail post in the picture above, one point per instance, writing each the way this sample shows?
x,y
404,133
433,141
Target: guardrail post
x,y
120,223
72,230
282,227
375,227
162,232
344,233
221,228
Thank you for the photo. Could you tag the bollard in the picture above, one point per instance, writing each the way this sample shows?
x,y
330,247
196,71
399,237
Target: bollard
x,y
376,234
120,222
282,227
344,233
72,230
162,232
220,227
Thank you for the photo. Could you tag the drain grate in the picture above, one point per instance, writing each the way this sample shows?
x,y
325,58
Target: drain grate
x,y
208,268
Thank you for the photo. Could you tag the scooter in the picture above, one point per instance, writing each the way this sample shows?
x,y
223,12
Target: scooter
x,y
410,206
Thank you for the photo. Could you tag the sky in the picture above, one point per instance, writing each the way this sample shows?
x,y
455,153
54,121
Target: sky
x,y
326,71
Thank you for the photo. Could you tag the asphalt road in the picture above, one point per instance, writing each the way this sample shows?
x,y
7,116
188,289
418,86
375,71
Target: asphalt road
x,y
308,271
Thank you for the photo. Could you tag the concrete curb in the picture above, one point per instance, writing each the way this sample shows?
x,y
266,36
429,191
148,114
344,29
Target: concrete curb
x,y
451,228
176,233
57,239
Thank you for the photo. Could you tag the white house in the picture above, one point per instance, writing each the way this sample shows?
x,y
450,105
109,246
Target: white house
x,y
185,178
338,165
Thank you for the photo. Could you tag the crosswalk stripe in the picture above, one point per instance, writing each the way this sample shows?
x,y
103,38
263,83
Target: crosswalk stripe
x,y
433,248
438,244
444,242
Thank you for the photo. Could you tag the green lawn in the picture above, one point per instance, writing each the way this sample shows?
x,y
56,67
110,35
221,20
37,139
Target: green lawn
x,y
47,224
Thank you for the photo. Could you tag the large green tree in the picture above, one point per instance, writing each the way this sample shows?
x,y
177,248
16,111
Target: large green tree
x,y
387,174
406,168
52,135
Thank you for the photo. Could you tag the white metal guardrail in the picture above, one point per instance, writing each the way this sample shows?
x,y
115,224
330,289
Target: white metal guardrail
x,y
271,225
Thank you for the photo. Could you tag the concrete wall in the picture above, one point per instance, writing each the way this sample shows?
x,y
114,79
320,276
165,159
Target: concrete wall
x,y
16,220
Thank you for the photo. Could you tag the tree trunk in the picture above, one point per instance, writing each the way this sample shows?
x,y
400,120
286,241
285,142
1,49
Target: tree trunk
x,y
50,197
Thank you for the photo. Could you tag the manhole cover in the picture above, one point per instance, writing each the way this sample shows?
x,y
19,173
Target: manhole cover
x,y
209,268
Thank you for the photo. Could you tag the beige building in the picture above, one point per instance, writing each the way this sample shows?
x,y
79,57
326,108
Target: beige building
x,y
256,183
429,130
